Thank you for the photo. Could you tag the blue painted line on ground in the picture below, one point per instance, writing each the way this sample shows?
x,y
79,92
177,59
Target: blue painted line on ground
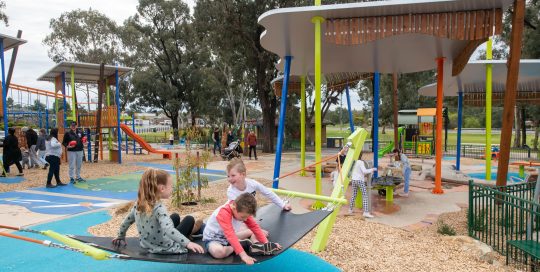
x,y
11,180
50,204
72,190
28,257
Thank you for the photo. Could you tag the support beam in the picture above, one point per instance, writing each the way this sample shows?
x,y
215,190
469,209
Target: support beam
x,y
317,21
12,62
351,121
118,131
511,90
303,125
4,88
375,125
64,98
489,84
461,60
395,108
460,124
73,96
438,133
281,124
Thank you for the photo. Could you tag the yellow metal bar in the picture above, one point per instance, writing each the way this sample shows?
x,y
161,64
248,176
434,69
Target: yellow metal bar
x,y
73,96
303,125
309,196
325,228
317,20
489,71
88,250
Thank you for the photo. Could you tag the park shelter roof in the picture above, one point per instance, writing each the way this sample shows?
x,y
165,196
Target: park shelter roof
x,y
472,81
84,72
10,42
336,81
383,36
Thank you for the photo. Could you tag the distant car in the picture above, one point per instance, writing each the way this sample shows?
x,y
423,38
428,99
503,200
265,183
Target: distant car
x,y
2,138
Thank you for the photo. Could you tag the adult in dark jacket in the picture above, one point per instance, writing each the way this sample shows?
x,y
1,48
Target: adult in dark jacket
x,y
74,146
216,137
31,143
230,138
12,152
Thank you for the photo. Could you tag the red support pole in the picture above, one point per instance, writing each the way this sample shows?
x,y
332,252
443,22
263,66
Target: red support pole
x,y
438,136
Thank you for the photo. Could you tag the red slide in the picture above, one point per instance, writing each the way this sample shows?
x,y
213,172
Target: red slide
x,y
144,144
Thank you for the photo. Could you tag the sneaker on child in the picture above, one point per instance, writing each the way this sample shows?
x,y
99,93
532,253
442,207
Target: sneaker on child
x,y
368,215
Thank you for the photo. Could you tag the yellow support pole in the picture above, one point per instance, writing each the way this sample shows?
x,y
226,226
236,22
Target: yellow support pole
x,y
73,96
303,125
317,20
489,71
356,142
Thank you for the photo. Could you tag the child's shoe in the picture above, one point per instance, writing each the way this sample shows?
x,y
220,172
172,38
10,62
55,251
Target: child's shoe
x,y
264,249
368,215
404,194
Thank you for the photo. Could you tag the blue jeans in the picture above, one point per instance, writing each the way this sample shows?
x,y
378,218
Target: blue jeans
x,y
407,176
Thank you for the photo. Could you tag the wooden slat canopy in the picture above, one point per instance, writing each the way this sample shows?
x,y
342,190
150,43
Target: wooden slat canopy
x,y
497,99
334,82
459,25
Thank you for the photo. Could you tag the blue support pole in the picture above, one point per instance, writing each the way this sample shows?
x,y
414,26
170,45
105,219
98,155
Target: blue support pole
x,y
281,124
116,78
460,123
47,121
64,98
40,121
127,140
133,128
351,121
375,139
4,88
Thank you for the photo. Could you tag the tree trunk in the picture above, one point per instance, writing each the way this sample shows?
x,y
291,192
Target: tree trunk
x,y
268,106
523,126
174,124
517,136
193,121
383,129
536,132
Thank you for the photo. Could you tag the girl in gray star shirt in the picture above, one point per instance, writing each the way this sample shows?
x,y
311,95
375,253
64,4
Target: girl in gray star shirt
x,y
157,231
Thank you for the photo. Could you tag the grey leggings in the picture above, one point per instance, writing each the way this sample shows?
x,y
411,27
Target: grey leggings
x,y
365,198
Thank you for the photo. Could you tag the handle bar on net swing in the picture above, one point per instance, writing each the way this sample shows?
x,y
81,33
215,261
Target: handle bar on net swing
x,y
310,196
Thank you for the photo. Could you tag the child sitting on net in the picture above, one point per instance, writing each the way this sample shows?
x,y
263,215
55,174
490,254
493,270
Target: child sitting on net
x,y
220,237
239,184
157,231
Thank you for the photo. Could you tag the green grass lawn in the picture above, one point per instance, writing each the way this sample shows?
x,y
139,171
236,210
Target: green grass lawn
x,y
466,138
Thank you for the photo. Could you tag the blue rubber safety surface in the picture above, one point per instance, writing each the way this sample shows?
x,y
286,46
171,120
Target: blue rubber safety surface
x,y
10,180
49,204
23,256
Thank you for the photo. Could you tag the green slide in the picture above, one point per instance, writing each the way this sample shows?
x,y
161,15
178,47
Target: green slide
x,y
390,147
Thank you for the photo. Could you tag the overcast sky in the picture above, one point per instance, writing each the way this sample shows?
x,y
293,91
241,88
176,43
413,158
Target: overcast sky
x,y
33,17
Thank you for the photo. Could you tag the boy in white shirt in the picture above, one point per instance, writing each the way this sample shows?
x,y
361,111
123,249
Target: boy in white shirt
x,y
239,184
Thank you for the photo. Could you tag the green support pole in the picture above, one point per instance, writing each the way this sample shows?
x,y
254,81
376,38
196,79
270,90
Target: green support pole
x,y
489,70
317,20
73,96
356,142
303,125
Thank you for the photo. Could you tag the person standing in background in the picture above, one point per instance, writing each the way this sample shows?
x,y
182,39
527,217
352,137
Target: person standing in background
x,y
252,143
74,146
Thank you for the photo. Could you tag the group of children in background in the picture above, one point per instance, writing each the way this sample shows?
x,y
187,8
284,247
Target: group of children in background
x,y
359,172
230,229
